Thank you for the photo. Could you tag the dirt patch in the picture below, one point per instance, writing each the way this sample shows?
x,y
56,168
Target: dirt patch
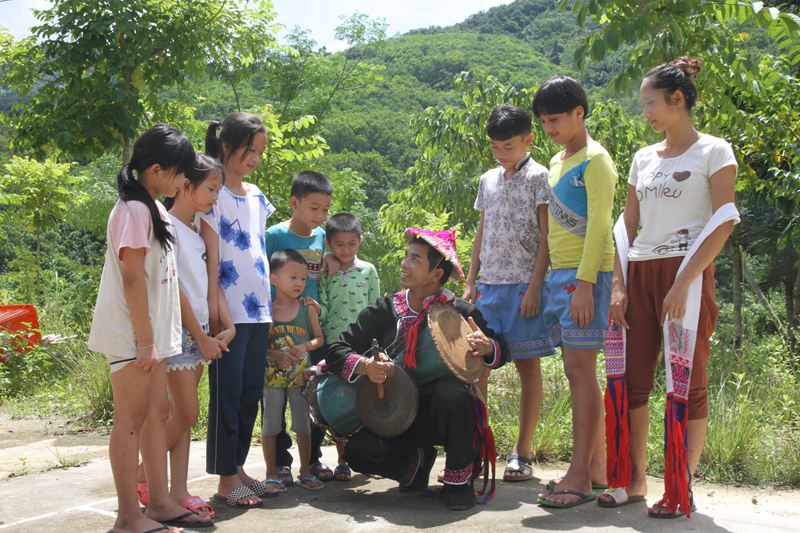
x,y
30,445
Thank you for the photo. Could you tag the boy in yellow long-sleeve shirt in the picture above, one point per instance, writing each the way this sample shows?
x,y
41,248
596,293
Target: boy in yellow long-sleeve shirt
x,y
582,181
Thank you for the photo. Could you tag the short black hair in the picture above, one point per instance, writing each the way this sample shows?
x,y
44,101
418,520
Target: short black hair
x,y
310,182
435,260
342,223
280,258
507,121
560,94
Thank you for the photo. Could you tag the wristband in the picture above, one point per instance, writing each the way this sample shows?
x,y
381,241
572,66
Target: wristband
x,y
146,347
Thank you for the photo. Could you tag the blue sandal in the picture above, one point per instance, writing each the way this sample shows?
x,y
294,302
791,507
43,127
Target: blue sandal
x,y
308,482
342,473
322,472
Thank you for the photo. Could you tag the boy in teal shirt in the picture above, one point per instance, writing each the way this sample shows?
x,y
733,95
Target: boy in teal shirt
x,y
346,293
310,200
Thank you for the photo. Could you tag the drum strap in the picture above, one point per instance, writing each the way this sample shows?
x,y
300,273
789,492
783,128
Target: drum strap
x,y
413,332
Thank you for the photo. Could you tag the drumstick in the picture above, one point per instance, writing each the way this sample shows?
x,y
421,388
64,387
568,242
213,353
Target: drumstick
x,y
377,348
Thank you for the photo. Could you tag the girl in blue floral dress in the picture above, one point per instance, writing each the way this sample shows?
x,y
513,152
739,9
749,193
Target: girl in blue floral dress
x,y
238,271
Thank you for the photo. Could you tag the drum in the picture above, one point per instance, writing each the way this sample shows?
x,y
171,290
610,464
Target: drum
x,y
449,331
393,414
442,348
332,404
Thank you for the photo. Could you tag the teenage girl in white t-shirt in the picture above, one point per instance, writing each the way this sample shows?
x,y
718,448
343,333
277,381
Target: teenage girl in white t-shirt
x,y
674,188
136,325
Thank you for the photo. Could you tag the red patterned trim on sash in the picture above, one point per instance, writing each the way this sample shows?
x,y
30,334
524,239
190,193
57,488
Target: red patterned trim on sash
x,y
457,477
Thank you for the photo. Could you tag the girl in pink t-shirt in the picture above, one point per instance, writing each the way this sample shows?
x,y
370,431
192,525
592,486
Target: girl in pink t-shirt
x,y
136,325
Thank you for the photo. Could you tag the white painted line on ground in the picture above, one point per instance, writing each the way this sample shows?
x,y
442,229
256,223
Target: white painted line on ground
x,y
25,520
90,506
90,509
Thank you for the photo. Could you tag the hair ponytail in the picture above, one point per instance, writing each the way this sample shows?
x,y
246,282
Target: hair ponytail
x,y
237,130
167,147
213,143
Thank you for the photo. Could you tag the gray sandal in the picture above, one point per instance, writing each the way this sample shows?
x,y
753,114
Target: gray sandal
x,y
518,468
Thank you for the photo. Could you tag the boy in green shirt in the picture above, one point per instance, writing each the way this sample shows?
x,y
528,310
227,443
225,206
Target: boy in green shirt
x,y
344,294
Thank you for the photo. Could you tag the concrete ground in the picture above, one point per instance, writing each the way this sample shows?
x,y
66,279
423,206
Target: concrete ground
x,y
81,499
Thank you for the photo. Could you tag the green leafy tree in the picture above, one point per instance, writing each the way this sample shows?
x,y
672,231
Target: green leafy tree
x,y
92,71
749,89
41,195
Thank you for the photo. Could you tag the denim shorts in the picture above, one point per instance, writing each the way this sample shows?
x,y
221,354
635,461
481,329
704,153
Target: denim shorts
x,y
561,284
527,337
190,355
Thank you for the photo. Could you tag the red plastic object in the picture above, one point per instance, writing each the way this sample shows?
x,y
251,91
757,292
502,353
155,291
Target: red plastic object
x,y
23,323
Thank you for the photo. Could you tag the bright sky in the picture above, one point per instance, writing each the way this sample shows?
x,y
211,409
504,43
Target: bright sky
x,y
319,16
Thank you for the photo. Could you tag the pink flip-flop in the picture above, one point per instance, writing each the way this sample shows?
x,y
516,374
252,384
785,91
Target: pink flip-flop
x,y
197,504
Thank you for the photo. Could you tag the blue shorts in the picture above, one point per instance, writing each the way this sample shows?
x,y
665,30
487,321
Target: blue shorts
x,y
527,337
190,355
561,284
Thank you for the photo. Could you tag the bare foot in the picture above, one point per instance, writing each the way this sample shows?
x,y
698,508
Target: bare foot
x,y
246,480
567,483
227,484
169,510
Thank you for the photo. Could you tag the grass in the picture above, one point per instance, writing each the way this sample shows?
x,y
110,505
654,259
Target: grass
x,y
71,460
754,400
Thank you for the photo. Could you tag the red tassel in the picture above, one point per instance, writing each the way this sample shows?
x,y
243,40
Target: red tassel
x,y
618,438
676,471
487,453
411,346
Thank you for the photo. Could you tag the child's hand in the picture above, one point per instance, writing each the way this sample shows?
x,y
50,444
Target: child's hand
x,y
618,306
470,292
581,309
210,347
147,357
225,337
284,360
330,265
309,301
531,301
298,352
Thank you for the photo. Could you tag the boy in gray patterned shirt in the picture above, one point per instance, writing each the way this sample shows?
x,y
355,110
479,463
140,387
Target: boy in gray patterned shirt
x,y
510,252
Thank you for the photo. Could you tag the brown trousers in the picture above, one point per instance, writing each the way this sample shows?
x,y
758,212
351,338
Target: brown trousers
x,y
648,285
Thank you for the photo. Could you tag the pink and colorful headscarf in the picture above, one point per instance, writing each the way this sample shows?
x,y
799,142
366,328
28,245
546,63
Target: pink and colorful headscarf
x,y
442,241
